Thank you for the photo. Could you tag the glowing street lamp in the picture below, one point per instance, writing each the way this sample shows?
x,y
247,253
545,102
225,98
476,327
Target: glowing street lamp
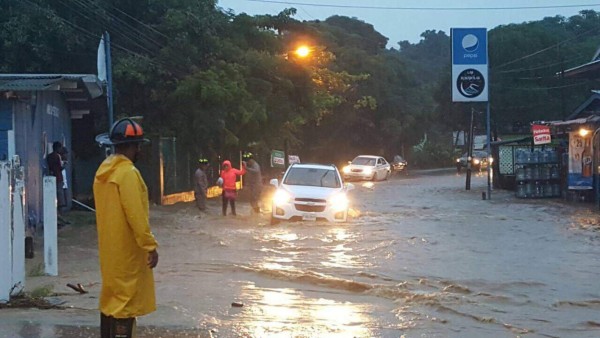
x,y
583,132
302,51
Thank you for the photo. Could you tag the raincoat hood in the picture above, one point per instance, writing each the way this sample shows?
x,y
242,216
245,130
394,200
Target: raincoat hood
x,y
230,174
109,166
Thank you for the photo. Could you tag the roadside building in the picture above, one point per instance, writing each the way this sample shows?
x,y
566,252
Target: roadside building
x,y
35,111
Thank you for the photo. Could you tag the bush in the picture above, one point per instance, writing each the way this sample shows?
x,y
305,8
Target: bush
x,y
433,155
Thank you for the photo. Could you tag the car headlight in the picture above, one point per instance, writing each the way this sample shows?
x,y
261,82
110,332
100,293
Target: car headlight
x,y
281,197
339,202
368,171
346,169
491,159
458,160
475,161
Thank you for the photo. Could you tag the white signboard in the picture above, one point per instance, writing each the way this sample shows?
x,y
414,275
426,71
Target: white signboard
x,y
469,65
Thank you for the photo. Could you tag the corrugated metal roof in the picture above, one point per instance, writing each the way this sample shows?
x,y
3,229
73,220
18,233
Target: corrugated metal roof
x,y
17,83
26,82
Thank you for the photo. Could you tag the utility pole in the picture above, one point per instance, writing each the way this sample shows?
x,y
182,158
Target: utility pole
x,y
470,152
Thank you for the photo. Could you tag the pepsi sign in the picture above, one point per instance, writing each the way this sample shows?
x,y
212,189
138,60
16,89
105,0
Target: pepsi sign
x,y
469,64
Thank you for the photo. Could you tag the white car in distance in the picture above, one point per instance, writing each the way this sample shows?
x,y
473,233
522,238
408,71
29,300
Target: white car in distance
x,y
367,167
310,192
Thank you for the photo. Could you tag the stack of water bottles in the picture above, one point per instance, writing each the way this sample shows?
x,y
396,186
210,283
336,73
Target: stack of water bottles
x,y
537,173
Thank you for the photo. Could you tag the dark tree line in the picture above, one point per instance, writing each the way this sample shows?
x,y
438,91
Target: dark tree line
x,y
221,82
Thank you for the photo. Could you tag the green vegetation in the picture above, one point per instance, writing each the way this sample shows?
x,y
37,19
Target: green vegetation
x,y
42,291
221,82
37,270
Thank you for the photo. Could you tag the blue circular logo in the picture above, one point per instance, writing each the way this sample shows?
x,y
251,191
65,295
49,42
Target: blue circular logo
x,y
470,83
470,43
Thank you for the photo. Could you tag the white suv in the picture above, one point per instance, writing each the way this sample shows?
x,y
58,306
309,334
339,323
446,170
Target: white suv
x,y
310,192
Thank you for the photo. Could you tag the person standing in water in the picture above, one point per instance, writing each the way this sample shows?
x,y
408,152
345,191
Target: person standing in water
x,y
229,176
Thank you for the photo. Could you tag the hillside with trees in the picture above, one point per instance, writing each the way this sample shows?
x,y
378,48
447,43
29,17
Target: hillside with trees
x,y
222,82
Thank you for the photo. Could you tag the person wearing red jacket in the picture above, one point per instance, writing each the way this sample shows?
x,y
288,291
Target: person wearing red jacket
x,y
229,177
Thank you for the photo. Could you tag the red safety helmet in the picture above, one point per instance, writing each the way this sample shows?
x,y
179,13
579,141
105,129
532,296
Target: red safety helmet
x,y
123,131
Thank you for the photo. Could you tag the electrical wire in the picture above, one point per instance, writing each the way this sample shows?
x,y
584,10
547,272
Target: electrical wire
x,y
127,27
129,31
542,88
95,38
547,48
548,65
140,22
132,40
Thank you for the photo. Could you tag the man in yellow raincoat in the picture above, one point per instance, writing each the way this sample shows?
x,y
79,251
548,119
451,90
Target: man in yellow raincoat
x,y
126,246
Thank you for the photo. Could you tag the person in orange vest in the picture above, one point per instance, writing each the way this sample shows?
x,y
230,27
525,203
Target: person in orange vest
x,y
229,177
126,246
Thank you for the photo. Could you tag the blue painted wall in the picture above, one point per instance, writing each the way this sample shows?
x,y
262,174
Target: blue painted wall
x,y
5,125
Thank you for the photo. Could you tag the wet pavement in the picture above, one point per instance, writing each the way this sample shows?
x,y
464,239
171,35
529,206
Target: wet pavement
x,y
421,258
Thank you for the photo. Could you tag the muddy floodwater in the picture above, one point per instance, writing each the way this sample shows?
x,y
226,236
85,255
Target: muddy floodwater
x,y
422,257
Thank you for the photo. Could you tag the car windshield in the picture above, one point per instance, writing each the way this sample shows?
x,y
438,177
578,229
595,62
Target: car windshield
x,y
480,154
398,159
313,177
364,161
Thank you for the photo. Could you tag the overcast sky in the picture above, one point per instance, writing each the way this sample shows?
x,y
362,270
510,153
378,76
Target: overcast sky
x,y
407,19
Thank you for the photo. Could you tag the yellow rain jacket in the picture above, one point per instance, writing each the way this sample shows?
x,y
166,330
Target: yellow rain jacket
x,y
124,239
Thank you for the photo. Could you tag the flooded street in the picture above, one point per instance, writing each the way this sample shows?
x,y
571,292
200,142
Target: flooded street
x,y
422,258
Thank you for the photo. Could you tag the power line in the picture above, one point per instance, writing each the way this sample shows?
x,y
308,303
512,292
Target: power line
x,y
95,38
546,49
125,33
542,88
128,33
128,28
135,35
140,22
547,65
422,8
304,10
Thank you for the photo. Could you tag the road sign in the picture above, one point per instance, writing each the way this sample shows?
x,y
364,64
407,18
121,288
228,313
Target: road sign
x,y
469,65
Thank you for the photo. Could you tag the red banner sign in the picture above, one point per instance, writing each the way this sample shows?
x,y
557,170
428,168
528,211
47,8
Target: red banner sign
x,y
541,134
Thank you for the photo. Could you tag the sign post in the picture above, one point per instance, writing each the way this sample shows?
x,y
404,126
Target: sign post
x,y
470,82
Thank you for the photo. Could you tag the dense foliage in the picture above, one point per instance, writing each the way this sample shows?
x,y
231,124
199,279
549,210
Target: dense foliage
x,y
222,82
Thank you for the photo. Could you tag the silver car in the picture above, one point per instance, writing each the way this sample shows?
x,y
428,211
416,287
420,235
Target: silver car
x,y
367,167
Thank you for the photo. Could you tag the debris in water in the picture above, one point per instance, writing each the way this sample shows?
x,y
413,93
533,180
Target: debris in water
x,y
237,304
79,288
368,185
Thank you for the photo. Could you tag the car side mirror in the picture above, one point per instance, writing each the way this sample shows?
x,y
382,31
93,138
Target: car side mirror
x,y
274,182
349,186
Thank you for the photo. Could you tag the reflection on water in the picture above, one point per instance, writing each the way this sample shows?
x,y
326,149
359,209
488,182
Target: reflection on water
x,y
285,312
340,255
425,259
